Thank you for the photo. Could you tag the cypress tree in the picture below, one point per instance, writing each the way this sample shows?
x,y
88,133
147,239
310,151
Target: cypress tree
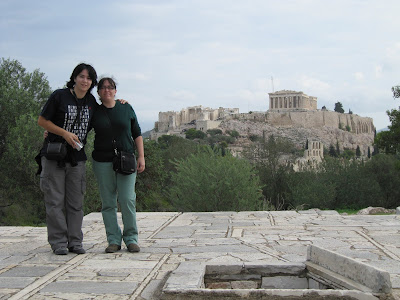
x,y
358,151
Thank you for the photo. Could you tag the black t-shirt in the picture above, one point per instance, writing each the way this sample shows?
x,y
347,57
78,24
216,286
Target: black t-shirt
x,y
62,108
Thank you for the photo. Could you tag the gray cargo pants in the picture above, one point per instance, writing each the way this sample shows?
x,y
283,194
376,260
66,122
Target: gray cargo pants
x,y
63,190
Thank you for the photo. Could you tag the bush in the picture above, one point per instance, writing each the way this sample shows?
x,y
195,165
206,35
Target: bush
x,y
233,133
211,182
192,134
219,138
254,138
214,131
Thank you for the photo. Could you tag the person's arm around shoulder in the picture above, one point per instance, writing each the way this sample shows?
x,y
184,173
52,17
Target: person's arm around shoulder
x,y
141,165
123,101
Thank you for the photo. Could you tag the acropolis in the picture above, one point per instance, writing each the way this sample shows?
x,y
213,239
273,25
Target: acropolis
x,y
287,109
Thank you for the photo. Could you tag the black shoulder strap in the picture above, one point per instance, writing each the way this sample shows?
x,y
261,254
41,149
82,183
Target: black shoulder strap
x,y
112,129
79,109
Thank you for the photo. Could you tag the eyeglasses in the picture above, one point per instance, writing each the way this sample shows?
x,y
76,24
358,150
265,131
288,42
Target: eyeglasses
x,y
110,88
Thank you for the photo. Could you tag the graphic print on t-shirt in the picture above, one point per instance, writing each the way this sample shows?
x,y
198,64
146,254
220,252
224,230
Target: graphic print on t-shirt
x,y
81,124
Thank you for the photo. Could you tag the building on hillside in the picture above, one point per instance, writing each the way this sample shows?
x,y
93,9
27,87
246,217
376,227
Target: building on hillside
x,y
287,109
312,156
199,117
286,100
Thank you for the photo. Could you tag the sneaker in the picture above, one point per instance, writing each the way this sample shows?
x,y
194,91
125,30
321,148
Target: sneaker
x,y
113,248
133,248
61,251
77,249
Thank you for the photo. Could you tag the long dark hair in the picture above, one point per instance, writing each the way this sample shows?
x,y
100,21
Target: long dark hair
x,y
78,69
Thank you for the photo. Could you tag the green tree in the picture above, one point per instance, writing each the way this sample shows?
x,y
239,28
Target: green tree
x,y
376,150
389,141
339,107
150,184
214,131
348,154
311,189
92,201
21,201
220,142
358,151
337,148
396,91
332,151
22,95
175,148
255,138
192,134
338,184
272,158
356,188
209,181
233,133
20,92
385,169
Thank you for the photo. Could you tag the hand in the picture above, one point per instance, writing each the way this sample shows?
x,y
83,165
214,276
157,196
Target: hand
x,y
122,101
45,134
141,165
71,139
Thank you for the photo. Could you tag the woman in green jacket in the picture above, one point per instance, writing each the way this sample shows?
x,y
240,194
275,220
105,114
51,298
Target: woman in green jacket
x,y
113,120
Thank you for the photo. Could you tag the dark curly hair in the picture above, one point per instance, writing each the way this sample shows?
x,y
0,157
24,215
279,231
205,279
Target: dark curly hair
x,y
78,69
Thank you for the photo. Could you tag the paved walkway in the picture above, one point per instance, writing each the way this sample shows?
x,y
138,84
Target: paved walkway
x,y
29,270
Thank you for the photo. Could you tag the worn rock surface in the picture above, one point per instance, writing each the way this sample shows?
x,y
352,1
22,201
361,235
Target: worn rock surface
x,y
29,270
299,135
375,211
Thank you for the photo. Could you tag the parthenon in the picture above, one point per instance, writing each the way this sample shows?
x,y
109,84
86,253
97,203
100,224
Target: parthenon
x,y
291,100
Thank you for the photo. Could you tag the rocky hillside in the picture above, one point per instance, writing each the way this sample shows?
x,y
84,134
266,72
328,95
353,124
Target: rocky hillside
x,y
299,135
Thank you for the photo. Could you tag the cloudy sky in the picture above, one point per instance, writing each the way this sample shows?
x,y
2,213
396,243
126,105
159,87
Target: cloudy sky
x,y
170,54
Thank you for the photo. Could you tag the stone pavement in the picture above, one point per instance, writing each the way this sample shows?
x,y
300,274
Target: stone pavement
x,y
29,270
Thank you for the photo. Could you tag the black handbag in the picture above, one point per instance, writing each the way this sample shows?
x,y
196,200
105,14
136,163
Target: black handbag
x,y
123,162
56,151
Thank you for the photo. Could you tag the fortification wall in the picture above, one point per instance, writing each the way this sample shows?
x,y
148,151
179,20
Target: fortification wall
x,y
315,119
205,125
255,116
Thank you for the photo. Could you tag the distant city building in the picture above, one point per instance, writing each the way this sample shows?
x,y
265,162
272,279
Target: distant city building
x,y
291,101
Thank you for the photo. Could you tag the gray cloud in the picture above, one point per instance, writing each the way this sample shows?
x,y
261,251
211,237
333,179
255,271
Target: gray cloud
x,y
175,53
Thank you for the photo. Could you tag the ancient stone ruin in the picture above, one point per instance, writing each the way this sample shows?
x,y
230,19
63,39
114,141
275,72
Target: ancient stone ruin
x,y
291,114
325,275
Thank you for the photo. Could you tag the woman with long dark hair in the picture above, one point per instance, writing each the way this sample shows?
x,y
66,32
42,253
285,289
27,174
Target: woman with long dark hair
x,y
66,116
